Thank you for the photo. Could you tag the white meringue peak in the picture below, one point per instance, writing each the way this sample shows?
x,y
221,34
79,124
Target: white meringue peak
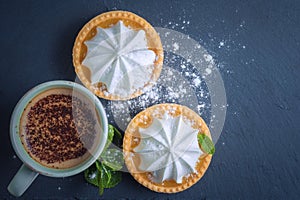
x,y
119,57
169,149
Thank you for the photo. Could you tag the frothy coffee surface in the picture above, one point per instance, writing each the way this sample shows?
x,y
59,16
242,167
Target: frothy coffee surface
x,y
58,128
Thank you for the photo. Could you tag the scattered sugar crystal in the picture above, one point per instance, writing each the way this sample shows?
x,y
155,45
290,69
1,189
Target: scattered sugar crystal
x,y
208,57
174,95
201,93
183,91
208,71
200,106
197,82
175,46
170,73
221,44
92,176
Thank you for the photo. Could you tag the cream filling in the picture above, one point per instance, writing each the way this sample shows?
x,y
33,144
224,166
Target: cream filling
x,y
169,149
119,57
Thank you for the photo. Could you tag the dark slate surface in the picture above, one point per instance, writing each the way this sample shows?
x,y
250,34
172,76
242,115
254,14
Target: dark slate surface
x,y
258,152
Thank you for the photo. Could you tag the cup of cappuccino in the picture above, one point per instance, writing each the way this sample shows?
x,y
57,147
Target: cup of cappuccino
x,y
57,129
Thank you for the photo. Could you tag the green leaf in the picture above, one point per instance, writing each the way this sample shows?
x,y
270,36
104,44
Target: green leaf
x,y
98,165
110,136
118,138
111,177
105,175
103,172
206,144
116,177
108,177
118,133
100,184
113,158
91,175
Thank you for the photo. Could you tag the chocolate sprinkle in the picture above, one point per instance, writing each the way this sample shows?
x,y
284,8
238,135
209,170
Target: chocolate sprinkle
x,y
59,128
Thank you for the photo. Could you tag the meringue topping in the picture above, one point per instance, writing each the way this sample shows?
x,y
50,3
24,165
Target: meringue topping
x,y
119,57
168,148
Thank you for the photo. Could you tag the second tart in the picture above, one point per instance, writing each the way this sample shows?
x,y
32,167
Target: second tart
x,y
118,55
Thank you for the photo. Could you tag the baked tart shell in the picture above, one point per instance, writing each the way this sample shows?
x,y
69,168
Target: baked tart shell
x,y
131,140
106,20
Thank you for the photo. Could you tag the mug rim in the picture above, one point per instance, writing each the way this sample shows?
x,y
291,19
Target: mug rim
x,y
15,129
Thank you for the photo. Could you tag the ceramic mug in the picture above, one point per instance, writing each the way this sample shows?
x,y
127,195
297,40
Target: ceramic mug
x,y
31,168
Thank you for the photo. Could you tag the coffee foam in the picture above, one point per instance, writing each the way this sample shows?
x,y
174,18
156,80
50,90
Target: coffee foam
x,y
60,140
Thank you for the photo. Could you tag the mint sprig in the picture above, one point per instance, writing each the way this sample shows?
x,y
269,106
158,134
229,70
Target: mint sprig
x,y
206,144
104,172
113,158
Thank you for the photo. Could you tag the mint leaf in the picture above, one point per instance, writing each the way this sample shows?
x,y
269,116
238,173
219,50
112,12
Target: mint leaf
x,y
103,173
108,178
111,178
103,177
206,144
98,165
100,184
116,177
118,138
91,175
113,158
110,136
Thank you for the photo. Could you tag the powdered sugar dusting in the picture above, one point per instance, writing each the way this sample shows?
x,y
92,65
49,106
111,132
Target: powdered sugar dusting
x,y
176,47
180,83
187,72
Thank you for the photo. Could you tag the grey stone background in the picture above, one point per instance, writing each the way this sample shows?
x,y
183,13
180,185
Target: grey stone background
x,y
256,45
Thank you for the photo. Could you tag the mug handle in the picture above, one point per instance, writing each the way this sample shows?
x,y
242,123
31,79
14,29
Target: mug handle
x,y
21,181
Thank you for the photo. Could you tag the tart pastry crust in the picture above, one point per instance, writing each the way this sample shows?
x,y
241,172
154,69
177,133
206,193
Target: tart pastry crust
x,y
132,139
107,20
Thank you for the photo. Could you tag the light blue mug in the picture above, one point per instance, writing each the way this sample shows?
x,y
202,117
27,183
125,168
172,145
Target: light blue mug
x,y
31,168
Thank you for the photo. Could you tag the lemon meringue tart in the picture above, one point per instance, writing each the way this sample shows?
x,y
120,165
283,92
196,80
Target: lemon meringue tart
x,y
118,55
161,148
